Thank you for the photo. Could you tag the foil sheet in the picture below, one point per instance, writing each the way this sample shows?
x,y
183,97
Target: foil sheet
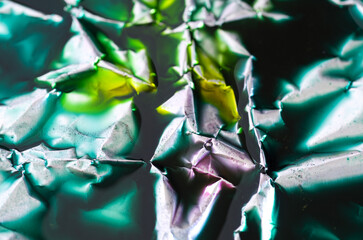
x,y
193,119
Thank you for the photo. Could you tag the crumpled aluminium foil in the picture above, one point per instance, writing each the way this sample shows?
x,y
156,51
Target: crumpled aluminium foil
x,y
192,119
320,168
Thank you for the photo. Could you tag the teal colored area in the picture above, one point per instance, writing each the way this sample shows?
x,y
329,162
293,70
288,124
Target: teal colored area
x,y
26,52
179,119
118,214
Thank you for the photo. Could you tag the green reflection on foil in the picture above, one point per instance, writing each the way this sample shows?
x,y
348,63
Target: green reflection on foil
x,y
78,88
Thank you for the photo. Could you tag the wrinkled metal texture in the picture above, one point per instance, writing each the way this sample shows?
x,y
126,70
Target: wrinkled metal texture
x,y
181,119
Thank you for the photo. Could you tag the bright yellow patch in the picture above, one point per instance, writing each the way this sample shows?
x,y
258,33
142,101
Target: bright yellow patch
x,y
214,90
97,92
222,97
